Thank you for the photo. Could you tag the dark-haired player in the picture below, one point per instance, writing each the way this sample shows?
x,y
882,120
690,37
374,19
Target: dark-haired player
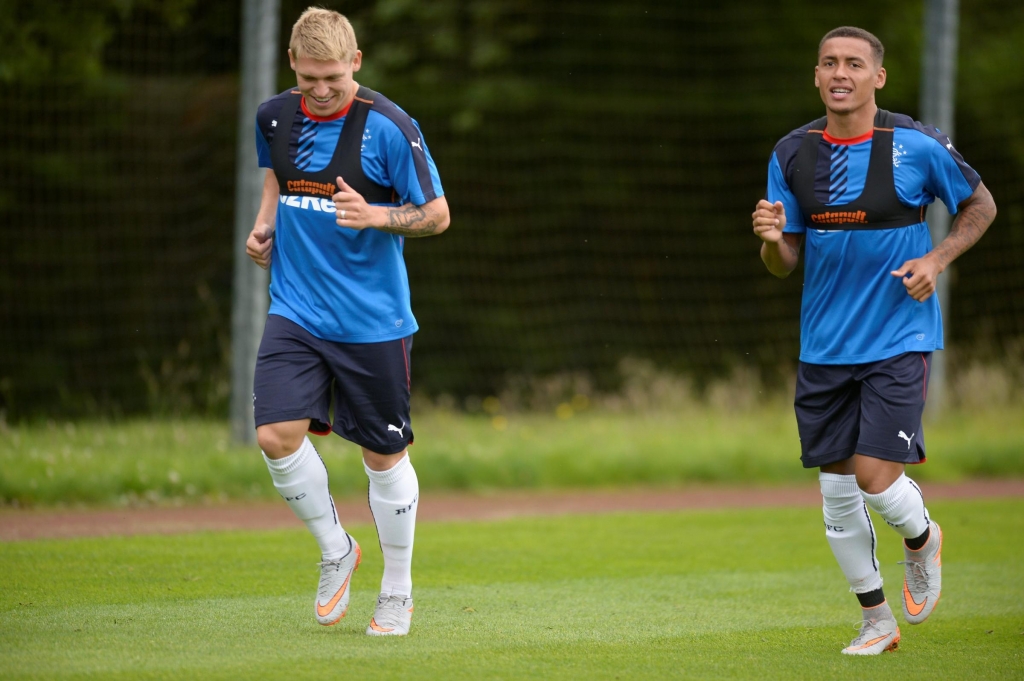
x,y
851,189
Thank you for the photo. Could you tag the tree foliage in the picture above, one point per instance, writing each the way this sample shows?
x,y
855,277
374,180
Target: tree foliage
x,y
600,159
42,40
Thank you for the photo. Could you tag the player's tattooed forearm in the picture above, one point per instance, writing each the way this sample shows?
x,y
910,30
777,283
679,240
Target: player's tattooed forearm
x,y
406,216
411,221
965,231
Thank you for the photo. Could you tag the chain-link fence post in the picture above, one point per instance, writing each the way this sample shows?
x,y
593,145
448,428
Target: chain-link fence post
x,y
938,94
260,25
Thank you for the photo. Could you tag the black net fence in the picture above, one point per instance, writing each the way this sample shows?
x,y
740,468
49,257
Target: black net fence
x,y
601,161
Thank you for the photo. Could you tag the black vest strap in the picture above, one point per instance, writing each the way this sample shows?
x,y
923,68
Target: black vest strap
x,y
877,207
346,162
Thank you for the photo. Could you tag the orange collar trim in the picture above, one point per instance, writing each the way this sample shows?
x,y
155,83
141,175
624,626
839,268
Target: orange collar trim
x,y
851,140
323,119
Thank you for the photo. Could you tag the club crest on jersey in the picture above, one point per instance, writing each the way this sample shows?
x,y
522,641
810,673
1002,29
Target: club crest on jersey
x,y
897,152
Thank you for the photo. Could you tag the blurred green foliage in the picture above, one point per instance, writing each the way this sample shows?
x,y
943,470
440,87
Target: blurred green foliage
x,y
600,159
40,40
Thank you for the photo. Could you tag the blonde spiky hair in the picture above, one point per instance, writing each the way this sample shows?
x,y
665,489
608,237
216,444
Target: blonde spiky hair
x,y
323,35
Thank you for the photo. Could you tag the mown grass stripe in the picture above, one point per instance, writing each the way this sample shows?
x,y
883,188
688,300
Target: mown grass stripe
x,y
722,594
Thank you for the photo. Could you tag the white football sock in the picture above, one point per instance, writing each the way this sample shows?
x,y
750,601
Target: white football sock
x,y
301,478
902,506
877,613
394,496
849,531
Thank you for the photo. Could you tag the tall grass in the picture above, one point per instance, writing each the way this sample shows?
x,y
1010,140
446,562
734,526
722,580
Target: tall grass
x,y
555,433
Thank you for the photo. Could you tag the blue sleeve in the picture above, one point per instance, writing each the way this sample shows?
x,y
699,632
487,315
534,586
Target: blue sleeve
x,y
778,190
262,148
390,159
927,166
949,177
402,169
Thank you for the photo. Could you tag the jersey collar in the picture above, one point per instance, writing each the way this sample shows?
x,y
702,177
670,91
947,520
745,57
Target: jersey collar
x,y
324,119
848,141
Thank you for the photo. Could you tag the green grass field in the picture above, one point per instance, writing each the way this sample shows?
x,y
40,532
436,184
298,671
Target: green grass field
x,y
723,594
153,461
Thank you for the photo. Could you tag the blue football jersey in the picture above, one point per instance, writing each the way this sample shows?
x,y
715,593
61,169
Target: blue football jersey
x,y
853,310
344,285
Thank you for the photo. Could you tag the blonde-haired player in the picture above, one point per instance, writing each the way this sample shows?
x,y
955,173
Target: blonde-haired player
x,y
349,178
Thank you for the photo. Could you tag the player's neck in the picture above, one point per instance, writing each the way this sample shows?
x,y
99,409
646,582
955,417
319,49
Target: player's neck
x,y
351,95
850,124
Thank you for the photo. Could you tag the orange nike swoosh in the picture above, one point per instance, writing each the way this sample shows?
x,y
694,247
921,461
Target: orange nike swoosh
x,y
324,610
377,627
908,600
870,643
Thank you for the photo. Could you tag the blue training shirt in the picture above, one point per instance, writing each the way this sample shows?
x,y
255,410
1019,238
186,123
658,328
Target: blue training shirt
x,y
344,285
853,310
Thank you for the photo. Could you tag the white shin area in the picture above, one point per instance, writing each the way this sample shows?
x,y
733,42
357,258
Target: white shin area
x,y
849,531
902,507
301,478
394,496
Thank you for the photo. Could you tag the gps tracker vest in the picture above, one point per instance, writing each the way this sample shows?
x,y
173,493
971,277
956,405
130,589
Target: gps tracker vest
x,y
877,207
346,162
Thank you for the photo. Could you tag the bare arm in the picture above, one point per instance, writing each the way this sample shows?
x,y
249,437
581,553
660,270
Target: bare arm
x,y
974,215
409,220
261,238
414,221
780,252
782,256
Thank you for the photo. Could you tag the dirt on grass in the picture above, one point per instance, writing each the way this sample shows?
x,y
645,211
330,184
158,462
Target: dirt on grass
x,y
68,523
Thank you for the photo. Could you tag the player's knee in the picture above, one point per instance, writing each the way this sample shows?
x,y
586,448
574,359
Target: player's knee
x,y
864,482
382,462
871,483
277,442
874,476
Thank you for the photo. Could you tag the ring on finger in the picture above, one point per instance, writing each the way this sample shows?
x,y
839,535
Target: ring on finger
x,y
342,213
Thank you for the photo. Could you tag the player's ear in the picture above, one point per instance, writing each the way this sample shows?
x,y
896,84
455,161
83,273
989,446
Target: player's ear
x,y
880,78
291,58
816,84
357,61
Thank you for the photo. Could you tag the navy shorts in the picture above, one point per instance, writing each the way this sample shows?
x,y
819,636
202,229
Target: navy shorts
x,y
297,374
872,409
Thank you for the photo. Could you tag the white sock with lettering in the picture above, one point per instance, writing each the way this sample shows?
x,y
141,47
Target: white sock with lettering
x,y
301,478
394,496
849,531
902,506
